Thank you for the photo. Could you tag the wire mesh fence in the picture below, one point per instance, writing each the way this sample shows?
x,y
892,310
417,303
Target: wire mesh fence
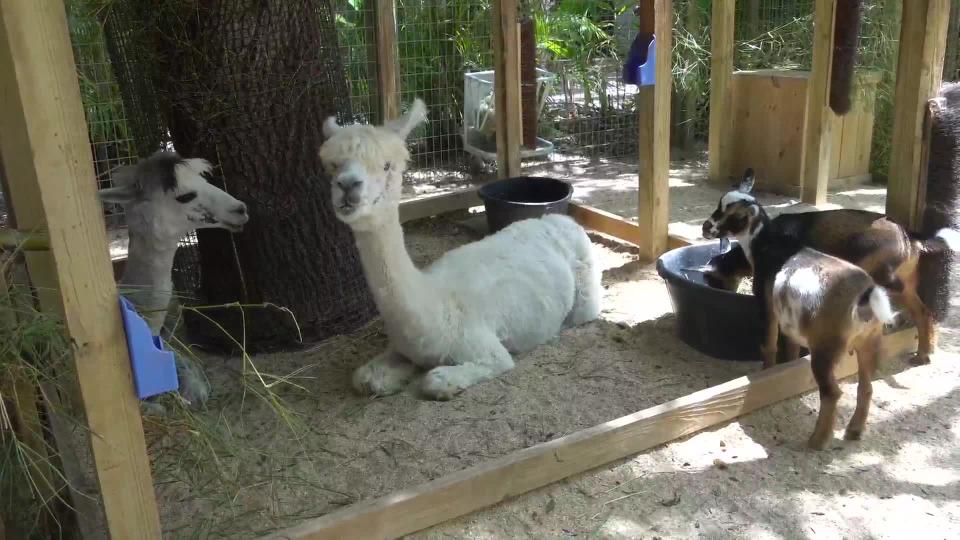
x,y
588,114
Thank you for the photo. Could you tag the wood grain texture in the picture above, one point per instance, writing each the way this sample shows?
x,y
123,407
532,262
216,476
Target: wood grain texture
x,y
387,59
506,61
439,204
721,91
478,487
48,164
923,35
653,156
819,122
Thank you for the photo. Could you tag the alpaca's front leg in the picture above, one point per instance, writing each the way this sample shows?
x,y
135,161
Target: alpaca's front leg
x,y
477,360
386,374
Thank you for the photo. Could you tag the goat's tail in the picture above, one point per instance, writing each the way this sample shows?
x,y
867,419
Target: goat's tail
x,y
944,241
875,304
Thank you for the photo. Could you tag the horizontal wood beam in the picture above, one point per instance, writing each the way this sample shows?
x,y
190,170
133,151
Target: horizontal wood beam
x,y
616,226
484,485
438,204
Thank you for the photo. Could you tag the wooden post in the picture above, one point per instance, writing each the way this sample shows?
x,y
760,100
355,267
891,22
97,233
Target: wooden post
x,y
923,35
819,118
721,89
46,154
506,88
387,59
653,108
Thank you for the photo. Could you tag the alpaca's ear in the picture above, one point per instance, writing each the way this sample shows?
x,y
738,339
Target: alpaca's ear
x,y
330,127
746,185
415,115
198,165
120,194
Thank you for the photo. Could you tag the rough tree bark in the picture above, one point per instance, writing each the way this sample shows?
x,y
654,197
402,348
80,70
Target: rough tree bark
x,y
247,84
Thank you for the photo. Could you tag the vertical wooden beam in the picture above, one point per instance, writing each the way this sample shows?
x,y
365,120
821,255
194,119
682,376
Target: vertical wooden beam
x,y
721,89
653,108
819,119
388,78
506,88
46,155
923,35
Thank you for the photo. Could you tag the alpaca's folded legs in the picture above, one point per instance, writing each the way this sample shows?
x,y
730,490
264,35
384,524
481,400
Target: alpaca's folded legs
x,y
194,386
386,374
477,360
588,293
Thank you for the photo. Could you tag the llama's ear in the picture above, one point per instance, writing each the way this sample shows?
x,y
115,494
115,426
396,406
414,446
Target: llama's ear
x,y
415,115
330,127
122,194
746,185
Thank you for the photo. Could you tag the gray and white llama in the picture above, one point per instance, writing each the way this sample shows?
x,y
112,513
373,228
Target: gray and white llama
x,y
165,197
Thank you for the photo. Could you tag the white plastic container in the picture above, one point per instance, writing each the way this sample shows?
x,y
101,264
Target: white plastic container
x,y
479,118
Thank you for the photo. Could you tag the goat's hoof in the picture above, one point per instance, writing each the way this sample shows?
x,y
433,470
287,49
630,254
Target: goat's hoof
x,y
920,359
853,434
437,385
818,443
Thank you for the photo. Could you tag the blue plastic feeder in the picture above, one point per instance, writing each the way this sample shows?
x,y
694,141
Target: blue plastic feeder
x,y
154,367
641,61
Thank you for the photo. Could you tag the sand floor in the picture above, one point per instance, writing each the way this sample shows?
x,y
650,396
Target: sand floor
x,y
748,479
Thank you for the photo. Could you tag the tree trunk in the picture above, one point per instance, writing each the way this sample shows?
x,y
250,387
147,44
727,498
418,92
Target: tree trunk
x,y
247,85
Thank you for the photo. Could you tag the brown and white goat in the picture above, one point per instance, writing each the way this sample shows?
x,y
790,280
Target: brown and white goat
x,y
832,308
882,248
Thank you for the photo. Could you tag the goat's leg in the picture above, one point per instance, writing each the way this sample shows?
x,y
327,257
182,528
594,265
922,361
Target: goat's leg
x,y
791,350
866,365
926,329
771,336
387,373
477,359
822,361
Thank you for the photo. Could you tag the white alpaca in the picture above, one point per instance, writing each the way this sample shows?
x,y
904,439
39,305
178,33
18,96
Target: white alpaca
x,y
165,197
461,318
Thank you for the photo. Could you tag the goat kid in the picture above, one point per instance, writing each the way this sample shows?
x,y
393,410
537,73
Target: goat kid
x,y
883,249
833,308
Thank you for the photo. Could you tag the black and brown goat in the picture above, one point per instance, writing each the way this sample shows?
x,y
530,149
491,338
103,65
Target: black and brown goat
x,y
882,248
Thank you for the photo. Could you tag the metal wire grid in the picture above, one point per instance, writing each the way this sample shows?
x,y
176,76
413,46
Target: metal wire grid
x,y
356,31
438,42
111,143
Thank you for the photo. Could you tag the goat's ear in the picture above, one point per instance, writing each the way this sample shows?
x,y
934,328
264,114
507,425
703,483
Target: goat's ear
x,y
746,185
122,194
330,127
415,115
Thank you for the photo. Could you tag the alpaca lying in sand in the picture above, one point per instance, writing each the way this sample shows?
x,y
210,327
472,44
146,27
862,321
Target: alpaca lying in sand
x,y
461,318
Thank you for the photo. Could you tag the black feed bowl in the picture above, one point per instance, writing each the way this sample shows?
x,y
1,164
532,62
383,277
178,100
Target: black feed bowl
x,y
523,197
716,322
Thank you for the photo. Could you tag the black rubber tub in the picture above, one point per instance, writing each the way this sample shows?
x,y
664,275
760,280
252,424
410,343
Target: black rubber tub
x,y
718,323
523,197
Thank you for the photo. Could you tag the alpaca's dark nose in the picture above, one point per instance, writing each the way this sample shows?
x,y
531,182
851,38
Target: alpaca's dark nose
x,y
349,186
240,209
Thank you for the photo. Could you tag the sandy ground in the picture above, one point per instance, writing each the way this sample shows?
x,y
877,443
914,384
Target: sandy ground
x,y
353,448
748,479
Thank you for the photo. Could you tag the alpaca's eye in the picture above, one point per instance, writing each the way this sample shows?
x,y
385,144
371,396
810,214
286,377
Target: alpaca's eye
x,y
186,197
387,166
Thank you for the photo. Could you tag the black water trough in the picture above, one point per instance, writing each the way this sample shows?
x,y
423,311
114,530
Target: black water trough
x,y
718,323
523,197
